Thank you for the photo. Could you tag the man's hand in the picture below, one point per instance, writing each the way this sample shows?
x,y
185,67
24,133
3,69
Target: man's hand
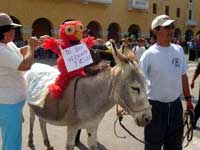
x,y
189,105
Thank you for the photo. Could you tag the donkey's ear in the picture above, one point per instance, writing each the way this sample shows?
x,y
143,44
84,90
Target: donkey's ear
x,y
119,58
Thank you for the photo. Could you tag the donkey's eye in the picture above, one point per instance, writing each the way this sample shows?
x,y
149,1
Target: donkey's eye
x,y
136,89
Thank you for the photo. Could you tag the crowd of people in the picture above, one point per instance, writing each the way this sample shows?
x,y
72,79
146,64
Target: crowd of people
x,y
161,59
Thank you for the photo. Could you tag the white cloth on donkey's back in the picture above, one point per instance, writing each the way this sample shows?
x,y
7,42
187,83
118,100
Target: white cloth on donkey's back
x,y
38,79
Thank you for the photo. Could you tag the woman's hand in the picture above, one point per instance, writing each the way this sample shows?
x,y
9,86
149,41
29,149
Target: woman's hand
x,y
42,38
33,42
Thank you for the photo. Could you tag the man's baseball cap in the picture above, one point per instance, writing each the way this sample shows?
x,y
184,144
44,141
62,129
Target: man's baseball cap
x,y
162,20
140,39
6,20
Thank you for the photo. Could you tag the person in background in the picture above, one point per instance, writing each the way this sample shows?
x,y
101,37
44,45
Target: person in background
x,y
192,50
197,107
99,44
139,49
152,41
88,38
126,43
13,91
165,68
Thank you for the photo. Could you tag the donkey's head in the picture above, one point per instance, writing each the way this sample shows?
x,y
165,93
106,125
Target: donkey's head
x,y
130,88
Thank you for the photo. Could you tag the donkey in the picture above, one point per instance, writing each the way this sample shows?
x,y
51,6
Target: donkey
x,y
86,100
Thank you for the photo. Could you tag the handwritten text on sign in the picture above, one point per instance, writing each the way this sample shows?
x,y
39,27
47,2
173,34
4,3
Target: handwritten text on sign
x,y
76,57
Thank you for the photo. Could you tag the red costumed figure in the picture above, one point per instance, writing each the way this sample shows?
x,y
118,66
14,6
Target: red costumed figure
x,y
70,34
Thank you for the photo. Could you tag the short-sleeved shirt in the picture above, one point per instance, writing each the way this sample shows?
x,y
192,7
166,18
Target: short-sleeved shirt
x,y
163,68
12,82
138,51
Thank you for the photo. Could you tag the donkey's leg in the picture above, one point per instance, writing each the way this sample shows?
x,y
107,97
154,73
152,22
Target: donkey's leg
x,y
30,136
92,137
43,128
71,135
77,139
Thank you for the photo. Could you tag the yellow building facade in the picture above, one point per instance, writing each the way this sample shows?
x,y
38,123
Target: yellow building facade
x,y
107,18
188,20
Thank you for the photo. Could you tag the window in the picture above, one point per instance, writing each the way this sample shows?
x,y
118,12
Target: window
x,y
178,12
190,14
154,8
167,10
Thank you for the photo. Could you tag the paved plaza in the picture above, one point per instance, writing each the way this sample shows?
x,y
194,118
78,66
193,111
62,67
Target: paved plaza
x,y
106,137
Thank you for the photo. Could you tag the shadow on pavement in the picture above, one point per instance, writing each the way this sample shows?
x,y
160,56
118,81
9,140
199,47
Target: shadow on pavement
x,y
81,146
197,128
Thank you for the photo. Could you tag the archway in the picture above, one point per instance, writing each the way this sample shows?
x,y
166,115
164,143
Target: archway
x,y
188,35
42,26
134,31
198,33
177,33
95,27
198,39
114,32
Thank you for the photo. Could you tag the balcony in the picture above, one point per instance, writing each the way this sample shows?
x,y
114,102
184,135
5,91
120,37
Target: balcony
x,y
138,4
190,22
105,2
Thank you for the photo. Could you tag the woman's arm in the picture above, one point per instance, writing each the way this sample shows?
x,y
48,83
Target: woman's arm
x,y
28,54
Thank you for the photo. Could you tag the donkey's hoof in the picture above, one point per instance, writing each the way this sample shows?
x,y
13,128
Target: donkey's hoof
x,y
70,147
94,147
32,147
50,148
77,143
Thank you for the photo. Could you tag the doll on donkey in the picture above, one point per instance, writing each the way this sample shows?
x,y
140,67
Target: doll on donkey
x,y
70,34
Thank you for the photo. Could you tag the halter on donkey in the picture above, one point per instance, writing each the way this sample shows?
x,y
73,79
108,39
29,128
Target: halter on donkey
x,y
123,84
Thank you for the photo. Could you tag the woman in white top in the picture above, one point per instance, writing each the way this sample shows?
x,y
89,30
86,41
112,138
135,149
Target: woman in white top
x,y
13,61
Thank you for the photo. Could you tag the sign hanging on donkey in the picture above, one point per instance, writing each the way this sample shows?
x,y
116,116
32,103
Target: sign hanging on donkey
x,y
76,57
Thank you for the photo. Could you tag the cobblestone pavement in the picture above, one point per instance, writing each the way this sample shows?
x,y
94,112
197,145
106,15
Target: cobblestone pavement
x,y
106,137
194,145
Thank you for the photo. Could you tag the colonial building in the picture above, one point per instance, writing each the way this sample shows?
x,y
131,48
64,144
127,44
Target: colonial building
x,y
184,11
106,18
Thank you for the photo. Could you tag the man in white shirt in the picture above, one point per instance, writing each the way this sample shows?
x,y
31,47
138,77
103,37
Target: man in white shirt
x,y
164,66
139,49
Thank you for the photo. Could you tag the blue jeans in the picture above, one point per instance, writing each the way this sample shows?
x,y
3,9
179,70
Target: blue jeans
x,y
11,125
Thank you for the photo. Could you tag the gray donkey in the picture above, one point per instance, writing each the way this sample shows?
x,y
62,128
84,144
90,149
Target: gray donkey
x,y
86,100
